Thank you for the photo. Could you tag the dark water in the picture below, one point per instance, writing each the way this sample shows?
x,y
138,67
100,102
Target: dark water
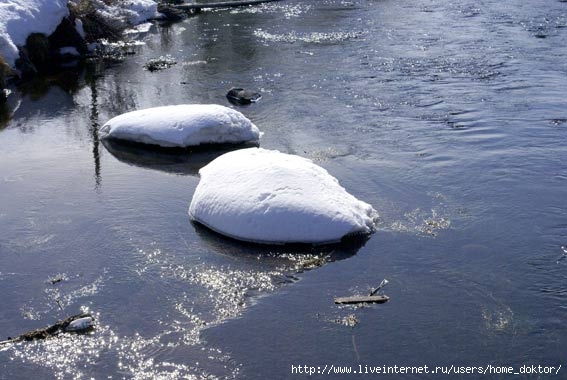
x,y
450,118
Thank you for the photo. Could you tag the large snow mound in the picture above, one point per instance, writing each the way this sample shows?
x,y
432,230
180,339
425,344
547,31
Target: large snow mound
x,y
19,19
265,196
182,125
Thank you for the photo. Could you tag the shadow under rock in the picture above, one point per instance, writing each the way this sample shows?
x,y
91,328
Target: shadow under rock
x,y
184,161
301,256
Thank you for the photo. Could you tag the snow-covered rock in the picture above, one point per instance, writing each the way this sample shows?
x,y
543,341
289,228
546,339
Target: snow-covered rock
x,y
265,196
19,19
182,126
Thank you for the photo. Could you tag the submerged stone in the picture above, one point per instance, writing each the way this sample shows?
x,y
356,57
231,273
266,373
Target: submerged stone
x,y
161,63
241,96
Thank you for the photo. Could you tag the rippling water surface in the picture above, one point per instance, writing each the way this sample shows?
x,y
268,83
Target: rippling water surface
x,y
450,118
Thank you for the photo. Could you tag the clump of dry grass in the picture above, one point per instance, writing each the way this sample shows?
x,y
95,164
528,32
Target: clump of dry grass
x,y
96,27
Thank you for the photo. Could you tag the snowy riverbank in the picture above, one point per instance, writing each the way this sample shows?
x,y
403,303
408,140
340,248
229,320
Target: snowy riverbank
x,y
20,19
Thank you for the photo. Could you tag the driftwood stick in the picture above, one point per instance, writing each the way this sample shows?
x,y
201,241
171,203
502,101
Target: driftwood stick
x,y
228,4
49,331
382,284
361,299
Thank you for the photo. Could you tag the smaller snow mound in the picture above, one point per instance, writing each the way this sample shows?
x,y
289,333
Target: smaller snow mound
x,y
269,197
182,126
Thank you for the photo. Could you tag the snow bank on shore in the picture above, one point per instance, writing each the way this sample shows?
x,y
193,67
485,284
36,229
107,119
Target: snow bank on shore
x,y
20,18
265,196
182,125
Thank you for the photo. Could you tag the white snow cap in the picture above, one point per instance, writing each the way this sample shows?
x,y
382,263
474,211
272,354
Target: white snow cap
x,y
265,196
182,126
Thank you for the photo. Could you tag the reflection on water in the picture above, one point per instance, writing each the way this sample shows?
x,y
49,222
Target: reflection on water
x,y
296,252
5,115
177,161
448,118
91,80
70,81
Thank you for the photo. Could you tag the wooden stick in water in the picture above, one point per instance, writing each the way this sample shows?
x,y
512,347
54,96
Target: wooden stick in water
x,y
227,4
361,299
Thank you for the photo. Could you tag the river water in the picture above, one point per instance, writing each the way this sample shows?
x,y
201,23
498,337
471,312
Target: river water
x,y
450,118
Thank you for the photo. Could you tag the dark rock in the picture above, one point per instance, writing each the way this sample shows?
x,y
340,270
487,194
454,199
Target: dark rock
x,y
241,96
37,49
66,35
42,55
34,55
